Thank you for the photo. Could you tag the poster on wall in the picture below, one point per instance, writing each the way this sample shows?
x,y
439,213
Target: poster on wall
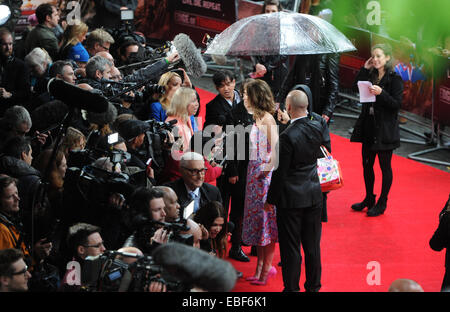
x,y
164,19
29,6
25,20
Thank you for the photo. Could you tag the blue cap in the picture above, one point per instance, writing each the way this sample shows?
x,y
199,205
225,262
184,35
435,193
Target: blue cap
x,y
78,53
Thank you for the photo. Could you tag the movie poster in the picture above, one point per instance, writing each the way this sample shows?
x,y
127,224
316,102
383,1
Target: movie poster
x,y
29,6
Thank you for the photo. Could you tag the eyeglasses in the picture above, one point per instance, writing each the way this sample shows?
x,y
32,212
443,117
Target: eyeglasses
x,y
23,271
95,246
107,49
196,171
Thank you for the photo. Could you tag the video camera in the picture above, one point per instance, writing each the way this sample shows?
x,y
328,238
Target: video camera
x,y
87,188
109,273
115,89
92,152
155,141
149,227
126,31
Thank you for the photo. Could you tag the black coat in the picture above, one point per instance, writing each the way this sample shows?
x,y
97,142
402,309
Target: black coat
x,y
306,70
321,74
236,165
218,112
277,69
15,78
208,193
441,240
329,86
380,131
295,183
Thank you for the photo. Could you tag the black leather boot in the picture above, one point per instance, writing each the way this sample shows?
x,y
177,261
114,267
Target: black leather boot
x,y
368,202
378,209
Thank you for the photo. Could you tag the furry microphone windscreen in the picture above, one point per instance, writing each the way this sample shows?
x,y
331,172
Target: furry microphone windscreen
x,y
196,267
190,55
48,114
104,118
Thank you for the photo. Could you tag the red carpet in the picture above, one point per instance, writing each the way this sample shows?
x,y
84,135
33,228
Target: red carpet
x,y
397,240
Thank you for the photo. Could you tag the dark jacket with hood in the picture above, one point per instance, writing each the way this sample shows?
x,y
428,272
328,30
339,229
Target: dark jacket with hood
x,y
380,130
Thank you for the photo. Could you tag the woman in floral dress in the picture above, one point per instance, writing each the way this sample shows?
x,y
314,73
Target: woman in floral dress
x,y
259,226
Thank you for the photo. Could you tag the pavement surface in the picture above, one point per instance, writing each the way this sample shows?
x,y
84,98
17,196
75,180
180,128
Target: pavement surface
x,y
413,131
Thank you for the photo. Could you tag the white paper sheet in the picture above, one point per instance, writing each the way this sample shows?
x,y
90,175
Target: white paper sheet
x,y
364,94
188,210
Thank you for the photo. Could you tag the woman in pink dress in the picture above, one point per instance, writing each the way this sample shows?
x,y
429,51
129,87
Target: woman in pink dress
x,y
259,226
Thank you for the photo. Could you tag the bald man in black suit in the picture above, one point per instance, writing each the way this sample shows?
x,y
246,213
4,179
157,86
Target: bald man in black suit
x,y
295,191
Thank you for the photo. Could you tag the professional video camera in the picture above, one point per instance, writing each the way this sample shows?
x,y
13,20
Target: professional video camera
x,y
108,273
155,141
92,151
148,228
126,31
87,189
116,89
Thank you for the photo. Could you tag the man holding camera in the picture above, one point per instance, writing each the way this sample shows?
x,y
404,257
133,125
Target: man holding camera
x,y
133,132
149,209
108,12
84,240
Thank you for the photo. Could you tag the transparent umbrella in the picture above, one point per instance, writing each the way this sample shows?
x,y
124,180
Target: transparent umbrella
x,y
281,33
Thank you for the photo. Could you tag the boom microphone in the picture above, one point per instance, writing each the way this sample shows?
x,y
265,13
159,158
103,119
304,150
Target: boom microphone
x,y
196,267
190,55
74,96
103,80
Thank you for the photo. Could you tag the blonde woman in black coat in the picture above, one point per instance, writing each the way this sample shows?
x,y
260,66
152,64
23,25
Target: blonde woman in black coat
x,y
377,126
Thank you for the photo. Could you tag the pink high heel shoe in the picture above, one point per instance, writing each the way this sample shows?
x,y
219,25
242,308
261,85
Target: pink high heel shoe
x,y
251,278
272,272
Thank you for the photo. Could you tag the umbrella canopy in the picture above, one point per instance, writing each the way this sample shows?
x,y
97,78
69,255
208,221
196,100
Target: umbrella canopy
x,y
281,33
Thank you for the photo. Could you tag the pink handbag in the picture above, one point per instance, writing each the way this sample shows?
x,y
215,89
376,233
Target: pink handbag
x,y
329,172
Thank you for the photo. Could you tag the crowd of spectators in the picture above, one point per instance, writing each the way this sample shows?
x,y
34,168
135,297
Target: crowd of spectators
x,y
67,191
75,182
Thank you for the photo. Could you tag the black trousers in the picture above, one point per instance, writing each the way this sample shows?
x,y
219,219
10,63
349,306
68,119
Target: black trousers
x,y
384,159
234,193
300,228
237,209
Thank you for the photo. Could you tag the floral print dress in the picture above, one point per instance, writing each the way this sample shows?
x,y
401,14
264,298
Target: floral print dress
x,y
259,227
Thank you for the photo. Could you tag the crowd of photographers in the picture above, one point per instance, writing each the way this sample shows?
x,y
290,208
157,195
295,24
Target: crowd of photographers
x,y
82,189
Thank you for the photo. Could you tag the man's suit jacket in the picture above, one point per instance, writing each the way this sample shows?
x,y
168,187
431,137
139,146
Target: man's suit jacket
x,y
208,193
295,183
218,112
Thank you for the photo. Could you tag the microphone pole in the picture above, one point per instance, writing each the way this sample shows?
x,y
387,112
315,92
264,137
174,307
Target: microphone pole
x,y
139,64
40,195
